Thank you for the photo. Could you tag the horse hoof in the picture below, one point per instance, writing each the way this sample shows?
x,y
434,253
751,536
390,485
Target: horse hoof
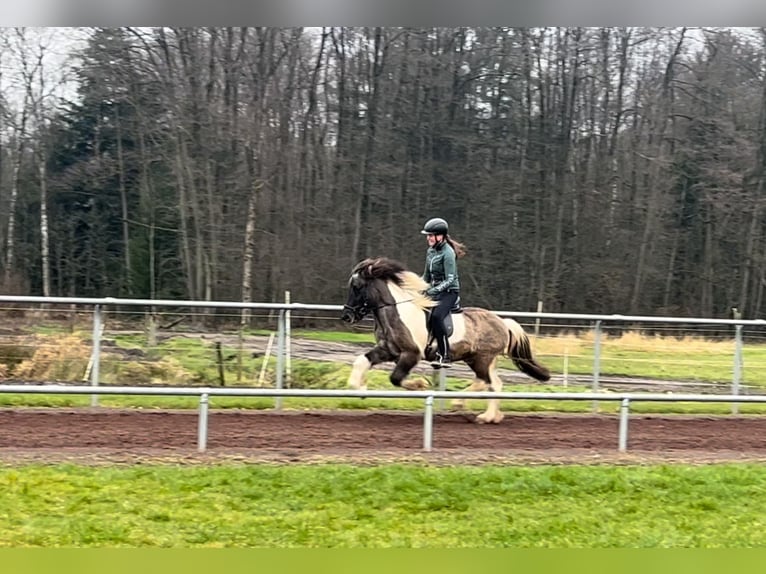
x,y
416,385
484,419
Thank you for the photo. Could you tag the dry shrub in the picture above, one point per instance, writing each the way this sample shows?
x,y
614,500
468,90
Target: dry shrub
x,y
132,372
637,341
169,371
64,358
553,345
629,341
128,373
11,355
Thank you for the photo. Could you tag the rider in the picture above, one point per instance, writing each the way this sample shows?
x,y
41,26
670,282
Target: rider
x,y
441,274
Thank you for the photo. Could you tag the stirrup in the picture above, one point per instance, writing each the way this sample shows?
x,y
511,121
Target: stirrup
x,y
441,363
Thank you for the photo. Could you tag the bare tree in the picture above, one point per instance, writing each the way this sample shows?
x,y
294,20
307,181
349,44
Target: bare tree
x,y
751,268
655,187
13,45
593,168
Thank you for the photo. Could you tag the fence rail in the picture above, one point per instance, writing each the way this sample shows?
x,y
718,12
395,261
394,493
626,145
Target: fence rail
x,y
428,397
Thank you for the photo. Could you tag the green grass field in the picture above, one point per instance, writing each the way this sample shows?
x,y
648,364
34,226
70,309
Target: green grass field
x,y
334,505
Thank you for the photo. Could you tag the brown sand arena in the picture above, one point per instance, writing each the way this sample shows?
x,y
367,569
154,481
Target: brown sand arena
x,y
103,435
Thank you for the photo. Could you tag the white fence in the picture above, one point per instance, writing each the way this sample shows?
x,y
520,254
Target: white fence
x,y
283,333
204,394
596,322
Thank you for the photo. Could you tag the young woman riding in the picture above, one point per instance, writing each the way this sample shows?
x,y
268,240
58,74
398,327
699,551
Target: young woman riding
x,y
442,276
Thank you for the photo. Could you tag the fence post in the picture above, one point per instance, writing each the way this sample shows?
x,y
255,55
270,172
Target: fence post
x,y
428,424
596,361
266,357
151,328
288,359
202,424
240,350
737,366
280,358
442,387
537,320
219,363
623,438
95,353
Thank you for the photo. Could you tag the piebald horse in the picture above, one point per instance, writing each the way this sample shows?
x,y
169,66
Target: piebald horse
x,y
395,298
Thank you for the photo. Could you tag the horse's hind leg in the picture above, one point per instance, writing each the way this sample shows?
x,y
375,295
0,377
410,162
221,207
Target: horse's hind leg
x,y
486,374
362,364
477,385
493,414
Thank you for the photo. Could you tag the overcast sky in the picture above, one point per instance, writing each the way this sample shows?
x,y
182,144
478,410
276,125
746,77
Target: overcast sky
x,y
56,45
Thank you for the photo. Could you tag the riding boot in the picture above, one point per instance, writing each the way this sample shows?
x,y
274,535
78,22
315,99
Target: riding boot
x,y
442,354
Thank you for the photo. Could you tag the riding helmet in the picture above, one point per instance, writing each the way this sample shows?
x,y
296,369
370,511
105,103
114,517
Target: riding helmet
x,y
435,226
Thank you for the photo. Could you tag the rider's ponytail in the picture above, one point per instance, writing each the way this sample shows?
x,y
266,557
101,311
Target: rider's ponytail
x,y
459,248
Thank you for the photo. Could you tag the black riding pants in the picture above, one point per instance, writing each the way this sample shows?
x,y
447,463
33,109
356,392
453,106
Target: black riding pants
x,y
446,301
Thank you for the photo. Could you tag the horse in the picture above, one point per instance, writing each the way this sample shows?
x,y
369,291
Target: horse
x,y
395,297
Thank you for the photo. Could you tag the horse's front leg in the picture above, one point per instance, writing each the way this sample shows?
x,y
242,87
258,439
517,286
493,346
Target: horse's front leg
x,y
363,363
404,364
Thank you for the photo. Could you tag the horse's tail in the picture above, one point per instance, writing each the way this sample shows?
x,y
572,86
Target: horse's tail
x,y
520,352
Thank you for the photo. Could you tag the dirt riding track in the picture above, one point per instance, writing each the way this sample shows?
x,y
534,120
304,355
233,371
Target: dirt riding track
x,y
94,436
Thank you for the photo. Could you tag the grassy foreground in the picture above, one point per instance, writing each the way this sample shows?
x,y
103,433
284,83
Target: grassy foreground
x,y
384,506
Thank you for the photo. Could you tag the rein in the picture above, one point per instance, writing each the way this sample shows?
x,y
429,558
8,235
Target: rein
x,y
365,308
394,304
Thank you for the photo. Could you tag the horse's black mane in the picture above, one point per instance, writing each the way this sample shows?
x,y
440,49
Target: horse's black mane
x,y
381,268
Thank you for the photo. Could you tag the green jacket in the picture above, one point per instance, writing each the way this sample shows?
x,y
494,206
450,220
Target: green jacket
x,y
441,269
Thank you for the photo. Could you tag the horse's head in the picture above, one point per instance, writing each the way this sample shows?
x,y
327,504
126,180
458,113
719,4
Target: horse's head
x,y
367,287
357,303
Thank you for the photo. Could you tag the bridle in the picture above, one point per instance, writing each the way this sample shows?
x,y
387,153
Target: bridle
x,y
361,311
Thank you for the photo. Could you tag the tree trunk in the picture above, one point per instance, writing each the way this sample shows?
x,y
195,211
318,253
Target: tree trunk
x,y
44,231
655,186
570,83
753,239
362,213
614,175
708,276
249,250
756,225
10,238
183,216
127,282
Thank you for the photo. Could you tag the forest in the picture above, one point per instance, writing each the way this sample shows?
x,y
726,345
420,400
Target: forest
x,y
595,170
